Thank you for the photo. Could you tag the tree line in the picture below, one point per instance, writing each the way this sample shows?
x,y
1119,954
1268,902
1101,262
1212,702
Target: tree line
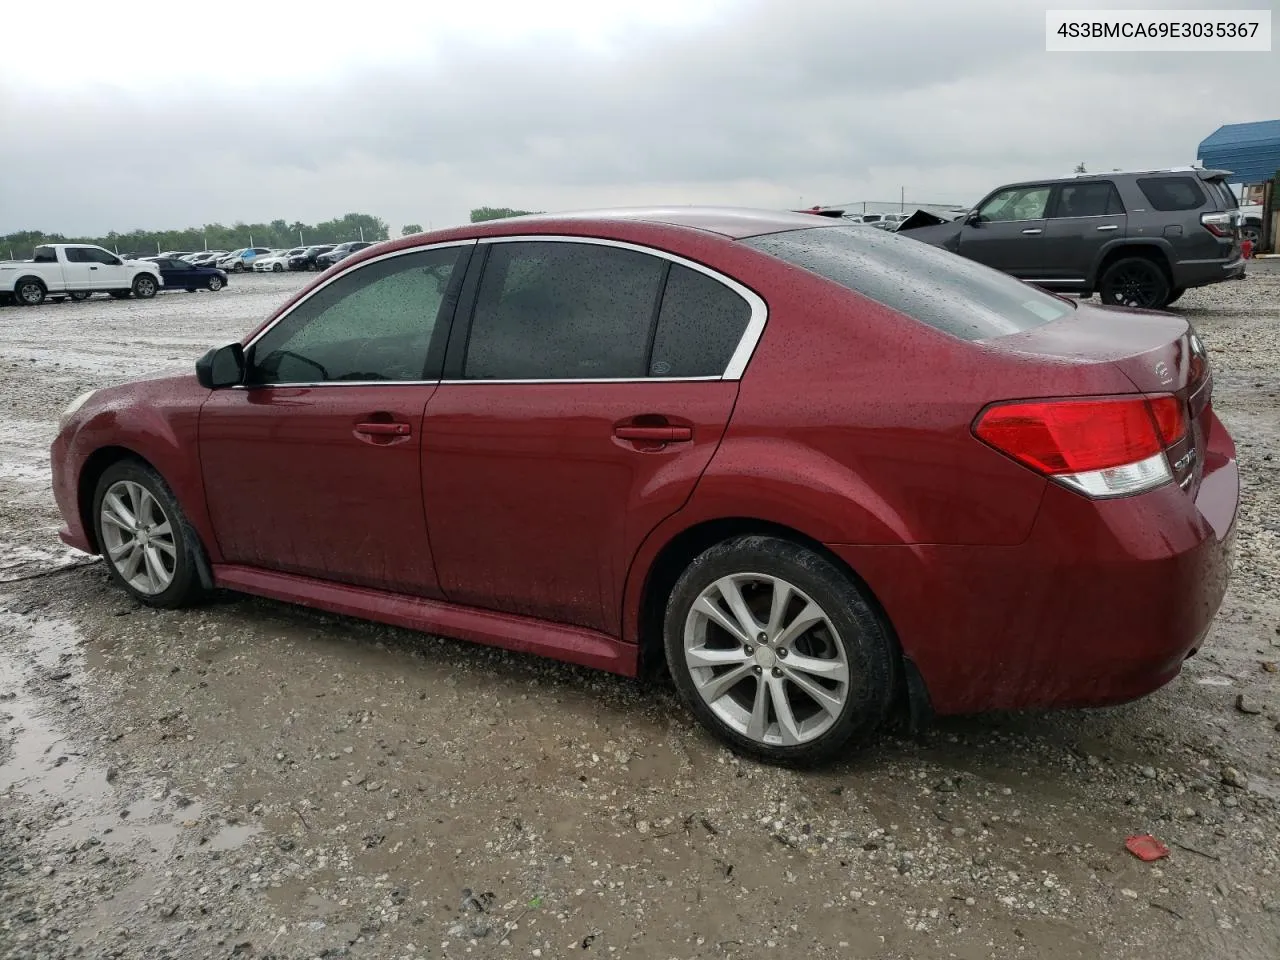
x,y
211,236
217,236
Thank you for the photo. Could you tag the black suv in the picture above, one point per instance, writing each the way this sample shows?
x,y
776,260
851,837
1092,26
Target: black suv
x,y
1136,239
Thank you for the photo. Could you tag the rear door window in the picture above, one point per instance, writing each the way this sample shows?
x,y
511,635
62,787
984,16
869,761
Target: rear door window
x,y
563,311
1095,199
948,292
1172,193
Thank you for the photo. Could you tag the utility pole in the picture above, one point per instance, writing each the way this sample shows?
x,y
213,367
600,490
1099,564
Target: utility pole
x,y
301,242
362,234
902,199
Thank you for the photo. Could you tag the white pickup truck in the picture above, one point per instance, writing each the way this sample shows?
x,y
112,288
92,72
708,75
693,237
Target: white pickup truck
x,y
76,270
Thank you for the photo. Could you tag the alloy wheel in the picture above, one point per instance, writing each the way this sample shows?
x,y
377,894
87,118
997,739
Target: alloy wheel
x,y
1136,285
766,659
138,537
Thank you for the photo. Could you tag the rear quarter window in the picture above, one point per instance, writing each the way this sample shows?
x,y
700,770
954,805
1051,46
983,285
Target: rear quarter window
x,y
1172,193
927,283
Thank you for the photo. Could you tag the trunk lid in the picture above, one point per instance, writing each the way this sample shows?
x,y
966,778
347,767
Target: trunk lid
x,y
1158,353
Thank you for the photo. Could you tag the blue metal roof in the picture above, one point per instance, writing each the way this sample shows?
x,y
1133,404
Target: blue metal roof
x,y
1251,151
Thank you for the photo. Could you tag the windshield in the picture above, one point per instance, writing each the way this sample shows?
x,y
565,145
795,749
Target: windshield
x,y
946,291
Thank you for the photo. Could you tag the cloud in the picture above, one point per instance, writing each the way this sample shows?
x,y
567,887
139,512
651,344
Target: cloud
x,y
764,103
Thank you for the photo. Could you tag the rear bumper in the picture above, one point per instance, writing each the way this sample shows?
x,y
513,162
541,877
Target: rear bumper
x,y
1198,273
1101,604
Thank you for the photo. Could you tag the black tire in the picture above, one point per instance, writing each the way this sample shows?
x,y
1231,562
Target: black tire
x,y
57,299
238,267
145,286
80,296
119,294
191,289
1134,282
185,586
29,291
215,284
1174,294
859,633
1251,231
276,268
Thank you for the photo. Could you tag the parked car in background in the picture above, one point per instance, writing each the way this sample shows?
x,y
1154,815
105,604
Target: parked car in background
x,y
1136,239
181,275
205,258
340,252
307,259
176,254
242,259
1022,501
77,270
277,261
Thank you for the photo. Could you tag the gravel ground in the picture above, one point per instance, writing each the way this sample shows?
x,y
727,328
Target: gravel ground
x,y
252,779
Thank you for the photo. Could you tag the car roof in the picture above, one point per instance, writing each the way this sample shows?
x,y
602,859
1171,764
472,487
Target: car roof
x,y
732,222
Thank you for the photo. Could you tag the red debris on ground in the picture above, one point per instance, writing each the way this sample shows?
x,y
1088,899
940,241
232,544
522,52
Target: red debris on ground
x,y
1146,847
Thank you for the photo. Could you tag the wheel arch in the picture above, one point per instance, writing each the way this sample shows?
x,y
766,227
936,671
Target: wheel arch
x,y
1157,251
681,548
97,464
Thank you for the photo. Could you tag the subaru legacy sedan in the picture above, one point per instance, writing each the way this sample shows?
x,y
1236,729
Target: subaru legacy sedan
x,y
819,472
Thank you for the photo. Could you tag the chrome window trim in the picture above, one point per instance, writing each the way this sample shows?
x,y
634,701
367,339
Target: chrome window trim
x,y
734,370
741,355
364,263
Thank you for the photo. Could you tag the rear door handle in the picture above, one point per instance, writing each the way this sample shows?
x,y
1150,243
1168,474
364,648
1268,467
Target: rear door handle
x,y
383,429
653,434
1033,230
1110,226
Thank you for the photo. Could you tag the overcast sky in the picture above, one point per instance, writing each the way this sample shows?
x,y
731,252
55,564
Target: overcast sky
x,y
133,115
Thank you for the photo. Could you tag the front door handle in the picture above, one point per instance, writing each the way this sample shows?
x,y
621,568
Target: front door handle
x,y
1033,230
1110,226
93,268
667,434
383,429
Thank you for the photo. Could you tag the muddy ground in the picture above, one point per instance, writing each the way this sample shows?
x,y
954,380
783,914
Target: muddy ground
x,y
251,779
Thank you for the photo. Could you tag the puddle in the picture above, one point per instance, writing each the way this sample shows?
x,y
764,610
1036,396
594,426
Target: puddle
x,y
48,767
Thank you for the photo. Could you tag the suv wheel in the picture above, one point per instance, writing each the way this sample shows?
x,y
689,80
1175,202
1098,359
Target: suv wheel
x,y
776,650
1134,282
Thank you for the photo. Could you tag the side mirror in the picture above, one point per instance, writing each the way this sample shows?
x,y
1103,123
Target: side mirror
x,y
221,367
972,218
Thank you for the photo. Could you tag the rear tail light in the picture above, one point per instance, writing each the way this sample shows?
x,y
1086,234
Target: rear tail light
x,y
1099,446
1219,224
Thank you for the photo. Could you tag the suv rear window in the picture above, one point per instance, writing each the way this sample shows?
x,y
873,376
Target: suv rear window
x,y
1172,193
1229,201
946,291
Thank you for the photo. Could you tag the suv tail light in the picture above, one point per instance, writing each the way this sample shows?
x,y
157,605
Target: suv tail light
x,y
1219,224
1098,446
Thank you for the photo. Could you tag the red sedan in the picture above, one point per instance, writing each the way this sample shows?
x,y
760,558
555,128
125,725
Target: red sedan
x,y
816,470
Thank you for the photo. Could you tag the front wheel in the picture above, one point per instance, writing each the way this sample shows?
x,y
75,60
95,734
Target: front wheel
x,y
777,651
1251,232
1134,282
276,268
149,547
215,284
238,266
144,286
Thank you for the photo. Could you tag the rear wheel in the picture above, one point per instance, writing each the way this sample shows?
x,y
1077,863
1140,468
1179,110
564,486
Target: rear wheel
x,y
777,652
144,286
29,292
149,547
81,295
1134,282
